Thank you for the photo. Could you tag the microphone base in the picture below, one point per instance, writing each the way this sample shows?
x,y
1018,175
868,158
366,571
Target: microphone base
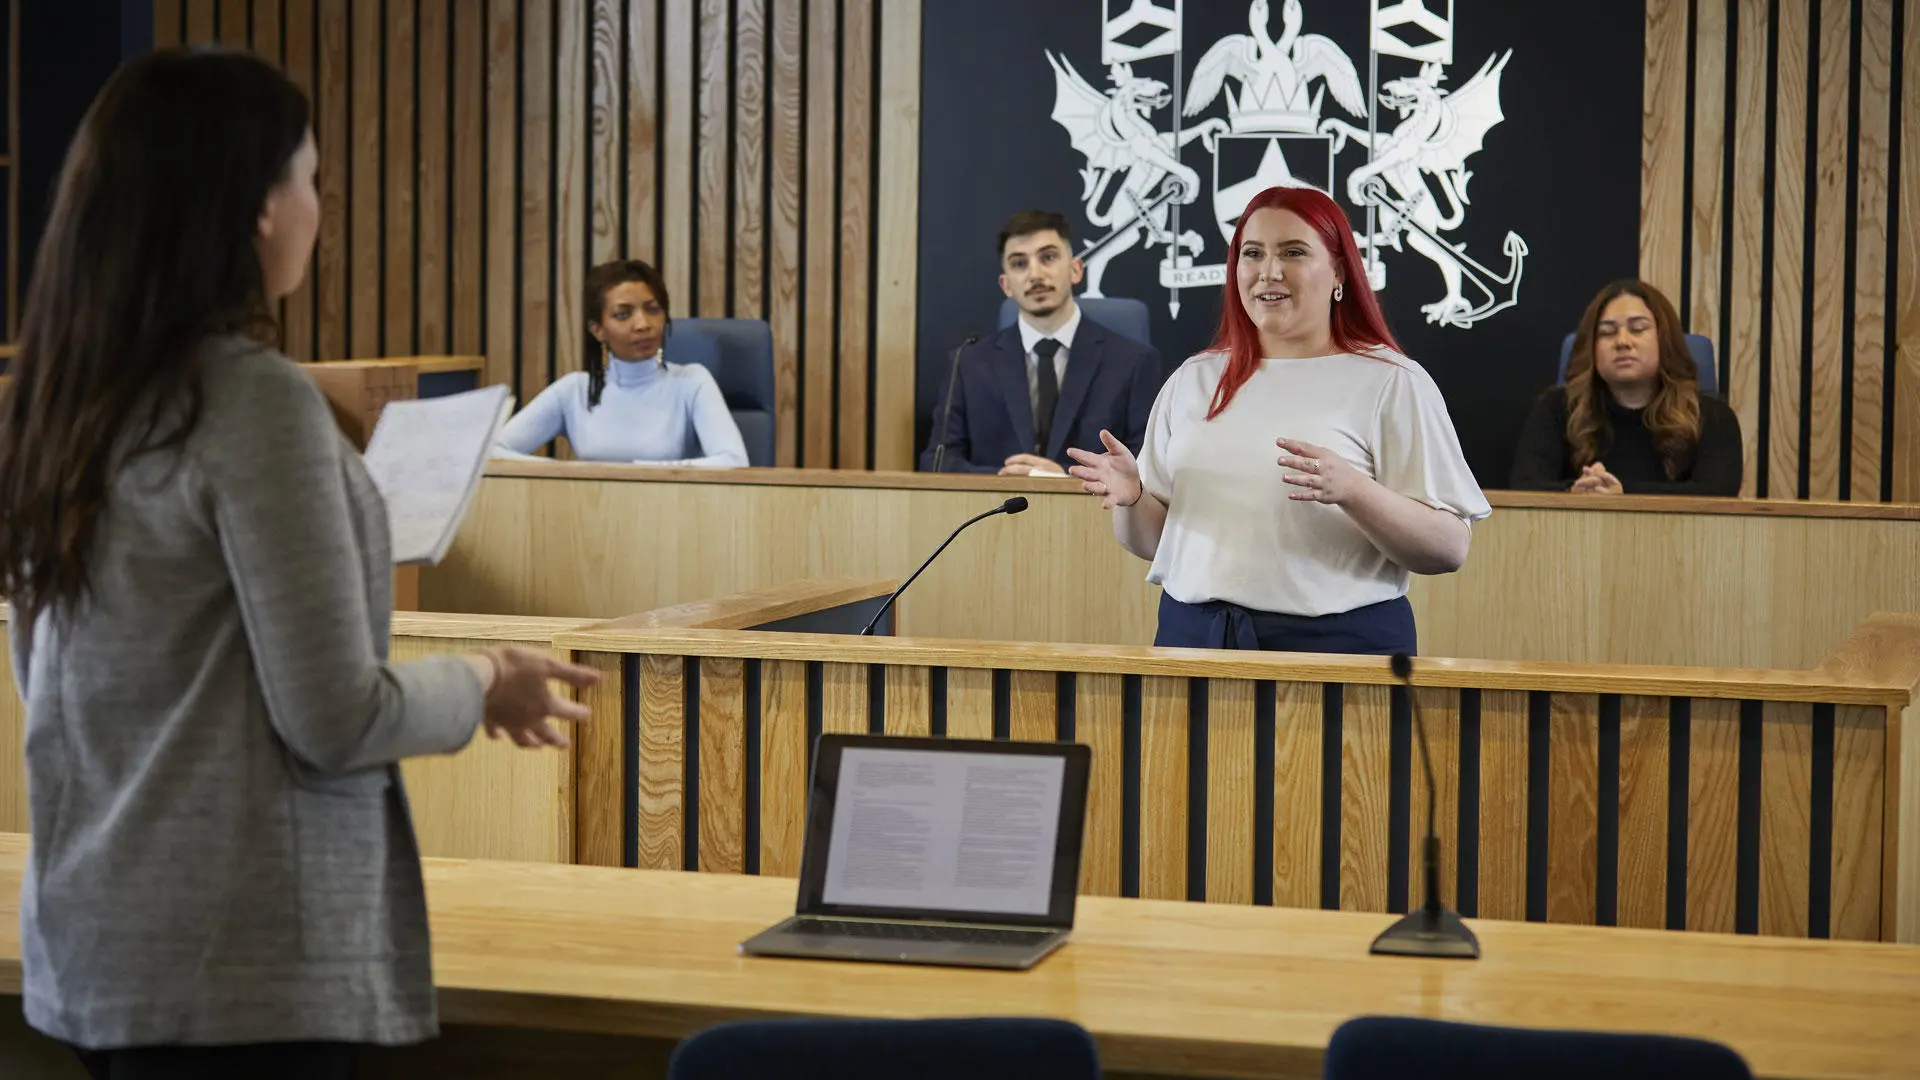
x,y
1438,934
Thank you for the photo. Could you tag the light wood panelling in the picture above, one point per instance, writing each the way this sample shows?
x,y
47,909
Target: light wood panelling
x,y
1906,447
723,764
1230,781
434,178
677,151
1789,246
599,745
1163,773
1713,808
784,214
749,228
1644,763
1870,250
822,152
710,168
1033,706
14,814
200,22
536,302
233,22
1786,787
662,779
1297,796
501,314
297,42
469,175
1573,808
643,126
167,15
1662,155
856,208
1365,734
366,50
1097,722
896,223
1750,216
1503,805
1859,792
1709,180
909,706
573,194
606,131
969,703
1826,293
843,698
783,766
335,135
1440,715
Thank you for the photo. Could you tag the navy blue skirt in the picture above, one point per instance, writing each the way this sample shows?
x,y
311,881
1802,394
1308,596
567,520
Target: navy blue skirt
x,y
1380,629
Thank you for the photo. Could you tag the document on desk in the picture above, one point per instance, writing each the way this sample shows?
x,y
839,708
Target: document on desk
x,y
426,457
944,832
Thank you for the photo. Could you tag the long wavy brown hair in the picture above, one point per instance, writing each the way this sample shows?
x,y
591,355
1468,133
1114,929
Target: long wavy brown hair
x,y
1673,416
149,251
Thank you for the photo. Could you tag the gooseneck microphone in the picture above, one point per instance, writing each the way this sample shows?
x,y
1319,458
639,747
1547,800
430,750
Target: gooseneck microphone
x,y
1011,506
1430,929
946,410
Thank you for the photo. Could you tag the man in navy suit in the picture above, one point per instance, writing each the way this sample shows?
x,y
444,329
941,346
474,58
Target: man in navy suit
x,y
1052,380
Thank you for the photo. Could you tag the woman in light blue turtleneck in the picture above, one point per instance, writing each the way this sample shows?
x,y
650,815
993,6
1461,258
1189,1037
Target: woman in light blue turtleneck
x,y
631,410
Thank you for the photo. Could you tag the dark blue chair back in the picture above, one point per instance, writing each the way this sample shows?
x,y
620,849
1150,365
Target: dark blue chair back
x,y
1389,1048
1122,315
1699,345
986,1049
739,353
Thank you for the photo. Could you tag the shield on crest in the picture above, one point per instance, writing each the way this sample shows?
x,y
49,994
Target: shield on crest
x,y
1246,164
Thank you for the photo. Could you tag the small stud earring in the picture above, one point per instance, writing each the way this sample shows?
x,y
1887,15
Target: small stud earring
x,y
1338,291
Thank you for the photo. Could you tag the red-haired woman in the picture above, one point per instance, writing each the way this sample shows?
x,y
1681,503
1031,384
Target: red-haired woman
x,y
1307,550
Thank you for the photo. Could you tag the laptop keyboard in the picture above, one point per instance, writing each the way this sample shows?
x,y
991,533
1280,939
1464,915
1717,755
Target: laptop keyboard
x,y
890,931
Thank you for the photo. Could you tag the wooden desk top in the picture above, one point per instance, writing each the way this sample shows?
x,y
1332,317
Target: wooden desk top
x,y
914,481
1202,989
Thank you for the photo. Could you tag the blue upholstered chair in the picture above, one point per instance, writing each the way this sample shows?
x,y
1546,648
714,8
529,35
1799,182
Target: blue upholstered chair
x,y
986,1049
1120,314
1699,345
1390,1048
739,352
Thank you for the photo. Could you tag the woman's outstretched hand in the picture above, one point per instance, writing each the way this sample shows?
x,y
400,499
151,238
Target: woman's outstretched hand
x,y
1114,475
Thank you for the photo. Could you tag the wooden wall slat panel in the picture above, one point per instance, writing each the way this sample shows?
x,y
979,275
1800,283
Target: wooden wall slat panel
x,y
856,205
1297,828
233,23
1786,816
969,703
710,277
1503,804
1906,422
1230,783
536,301
200,23
336,141
1163,786
676,152
663,721
435,178
572,198
469,104
1033,706
365,176
723,765
1859,779
607,92
1440,714
297,53
166,22
263,36
843,698
1748,194
749,229
1098,723
1713,813
1789,247
822,237
783,218
642,138
1573,808
783,766
1663,144
1642,864
599,793
1826,293
1709,188
502,198
1870,250
909,701
395,278
1365,735
897,222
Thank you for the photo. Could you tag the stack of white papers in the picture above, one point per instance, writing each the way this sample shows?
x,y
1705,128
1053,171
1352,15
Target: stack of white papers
x,y
426,457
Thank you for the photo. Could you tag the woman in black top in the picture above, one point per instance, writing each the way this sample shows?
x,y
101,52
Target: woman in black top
x,y
1631,418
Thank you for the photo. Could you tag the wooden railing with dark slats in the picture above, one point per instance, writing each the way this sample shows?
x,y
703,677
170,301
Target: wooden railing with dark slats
x,y
1699,799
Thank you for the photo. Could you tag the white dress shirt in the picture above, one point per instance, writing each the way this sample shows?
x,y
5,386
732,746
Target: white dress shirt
x,y
1029,337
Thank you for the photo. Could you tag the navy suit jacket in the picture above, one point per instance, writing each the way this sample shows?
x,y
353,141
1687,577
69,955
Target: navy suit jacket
x,y
1110,383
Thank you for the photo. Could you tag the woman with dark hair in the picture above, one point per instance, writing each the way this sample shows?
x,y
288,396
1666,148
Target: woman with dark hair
x,y
630,404
1308,552
1631,418
224,878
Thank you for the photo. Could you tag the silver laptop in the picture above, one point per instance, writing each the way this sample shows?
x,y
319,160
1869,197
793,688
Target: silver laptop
x,y
937,851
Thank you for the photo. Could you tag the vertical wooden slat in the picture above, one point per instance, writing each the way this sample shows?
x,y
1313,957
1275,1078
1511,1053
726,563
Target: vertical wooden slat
x,y
1230,783
1713,813
396,275
1786,788
599,789
783,766
434,178
643,129
663,721
365,188
1033,706
1440,714
749,230
335,136
1827,291
723,764
843,698
909,700
233,24
297,54
1163,788
1663,144
969,703
710,157
1298,731
606,85
572,195
1870,252
536,195
502,197
263,37
200,25
856,205
822,289
897,224
1906,414
469,93
1709,141
783,228
1642,865
1573,808
1749,227
1503,804
166,23
677,151
1098,723
1859,771
1366,729
1789,246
